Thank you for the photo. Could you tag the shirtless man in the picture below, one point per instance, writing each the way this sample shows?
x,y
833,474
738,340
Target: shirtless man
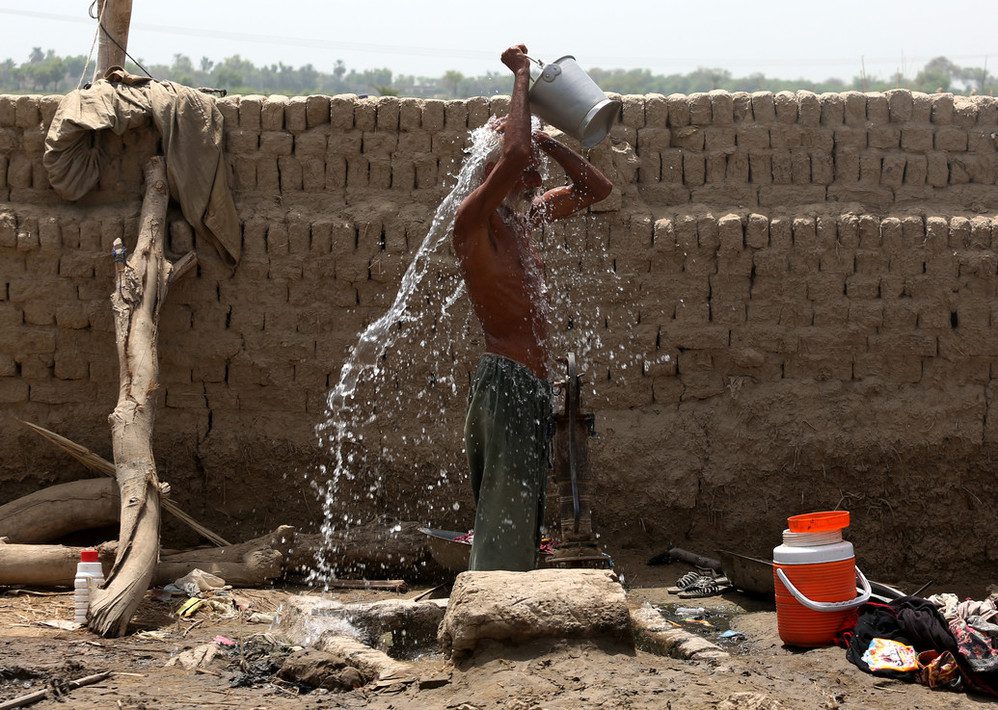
x,y
509,409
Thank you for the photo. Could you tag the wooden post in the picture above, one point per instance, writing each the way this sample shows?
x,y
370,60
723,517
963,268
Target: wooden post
x,y
116,15
142,284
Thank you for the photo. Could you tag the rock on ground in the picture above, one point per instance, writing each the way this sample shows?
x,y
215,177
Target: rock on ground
x,y
518,606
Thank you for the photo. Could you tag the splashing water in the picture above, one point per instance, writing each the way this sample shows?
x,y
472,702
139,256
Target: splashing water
x,y
341,407
579,274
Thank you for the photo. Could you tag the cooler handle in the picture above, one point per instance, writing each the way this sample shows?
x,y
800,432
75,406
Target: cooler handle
x,y
828,606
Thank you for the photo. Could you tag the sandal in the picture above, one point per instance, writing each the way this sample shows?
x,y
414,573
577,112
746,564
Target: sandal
x,y
689,579
706,587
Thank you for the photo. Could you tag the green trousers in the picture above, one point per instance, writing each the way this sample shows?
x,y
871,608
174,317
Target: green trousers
x,y
506,435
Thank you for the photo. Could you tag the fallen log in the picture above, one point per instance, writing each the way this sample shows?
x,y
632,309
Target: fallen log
x,y
248,564
56,511
101,465
142,284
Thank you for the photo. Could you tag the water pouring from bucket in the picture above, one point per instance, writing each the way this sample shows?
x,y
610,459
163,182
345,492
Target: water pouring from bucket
x,y
565,96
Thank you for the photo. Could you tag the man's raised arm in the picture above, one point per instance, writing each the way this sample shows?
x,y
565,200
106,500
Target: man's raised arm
x,y
588,186
516,150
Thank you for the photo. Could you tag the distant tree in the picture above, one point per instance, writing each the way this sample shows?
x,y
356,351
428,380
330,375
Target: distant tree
x,y
451,81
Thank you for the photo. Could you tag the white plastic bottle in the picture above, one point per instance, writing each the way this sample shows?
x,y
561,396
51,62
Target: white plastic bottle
x,y
89,576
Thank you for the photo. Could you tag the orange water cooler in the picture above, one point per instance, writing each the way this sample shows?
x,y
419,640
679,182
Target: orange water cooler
x,y
816,579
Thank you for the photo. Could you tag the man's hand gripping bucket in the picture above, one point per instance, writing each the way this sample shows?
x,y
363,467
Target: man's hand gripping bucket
x,y
565,96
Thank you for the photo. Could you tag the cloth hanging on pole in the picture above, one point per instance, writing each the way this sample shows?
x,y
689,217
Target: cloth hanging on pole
x,y
191,128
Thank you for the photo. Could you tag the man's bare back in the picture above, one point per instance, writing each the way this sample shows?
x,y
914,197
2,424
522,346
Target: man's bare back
x,y
502,271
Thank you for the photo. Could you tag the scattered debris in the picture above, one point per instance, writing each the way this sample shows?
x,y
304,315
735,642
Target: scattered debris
x,y
195,657
60,624
317,669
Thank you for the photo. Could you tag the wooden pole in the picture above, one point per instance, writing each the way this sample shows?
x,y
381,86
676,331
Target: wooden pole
x,y
142,284
115,17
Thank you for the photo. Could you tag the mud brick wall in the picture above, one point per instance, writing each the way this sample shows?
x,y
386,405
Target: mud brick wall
x,y
820,271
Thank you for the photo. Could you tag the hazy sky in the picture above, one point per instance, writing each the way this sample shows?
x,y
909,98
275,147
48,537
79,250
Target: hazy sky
x,y
785,38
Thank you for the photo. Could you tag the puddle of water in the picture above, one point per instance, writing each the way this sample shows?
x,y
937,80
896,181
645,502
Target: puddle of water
x,y
709,623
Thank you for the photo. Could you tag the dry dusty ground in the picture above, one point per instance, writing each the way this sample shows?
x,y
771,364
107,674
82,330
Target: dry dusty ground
x,y
761,674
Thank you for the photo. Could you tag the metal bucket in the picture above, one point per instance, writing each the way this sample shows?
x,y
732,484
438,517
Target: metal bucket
x,y
565,96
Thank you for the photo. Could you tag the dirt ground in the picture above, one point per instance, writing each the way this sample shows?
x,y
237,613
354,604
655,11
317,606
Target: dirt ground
x,y
761,674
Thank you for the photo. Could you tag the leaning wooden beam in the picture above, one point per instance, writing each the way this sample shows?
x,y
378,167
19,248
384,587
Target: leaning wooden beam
x,y
141,288
115,17
100,464
56,511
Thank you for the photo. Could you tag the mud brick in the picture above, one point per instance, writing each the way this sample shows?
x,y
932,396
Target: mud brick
x,y
694,168
900,105
455,115
892,170
901,344
633,111
272,113
717,168
365,114
8,110
837,260
290,170
310,144
276,143
980,232
800,167
958,173
822,168
730,233
855,109
652,140
26,114
832,108
737,167
833,312
71,316
700,108
267,176
938,169
820,139
871,261
317,111
917,138
358,170
786,136
763,107
656,111
3,171
862,286
782,167
980,141
888,367
498,106
241,141
741,106
951,139
433,115
883,136
71,366
410,114
760,168
752,137
478,112
19,170
870,166
825,286
846,165
786,107
915,170
959,233
341,111
965,111
942,109
700,337
868,314
249,111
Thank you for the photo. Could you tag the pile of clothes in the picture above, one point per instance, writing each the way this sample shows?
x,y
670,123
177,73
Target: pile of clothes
x,y
941,641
